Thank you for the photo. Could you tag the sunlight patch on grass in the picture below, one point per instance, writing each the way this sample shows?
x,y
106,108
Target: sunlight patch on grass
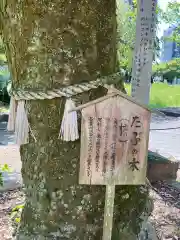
x,y
4,109
162,95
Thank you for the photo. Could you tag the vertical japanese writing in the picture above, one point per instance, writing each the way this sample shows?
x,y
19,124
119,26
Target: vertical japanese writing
x,y
136,122
106,135
134,163
114,142
123,130
90,145
137,128
143,53
152,28
98,143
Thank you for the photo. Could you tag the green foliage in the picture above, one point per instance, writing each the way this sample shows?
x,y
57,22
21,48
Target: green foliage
x,y
162,95
3,168
16,216
5,80
169,70
172,13
4,72
3,58
126,19
171,16
16,210
2,48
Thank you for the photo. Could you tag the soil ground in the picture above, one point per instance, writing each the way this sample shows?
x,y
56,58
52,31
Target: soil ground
x,y
165,216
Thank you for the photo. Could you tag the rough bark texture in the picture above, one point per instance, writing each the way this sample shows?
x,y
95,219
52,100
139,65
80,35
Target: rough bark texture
x,y
51,44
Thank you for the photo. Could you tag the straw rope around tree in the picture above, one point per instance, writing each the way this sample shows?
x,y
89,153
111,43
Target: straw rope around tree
x,y
69,91
18,120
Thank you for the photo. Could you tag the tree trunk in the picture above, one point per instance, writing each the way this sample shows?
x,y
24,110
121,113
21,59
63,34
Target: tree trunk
x,y
52,44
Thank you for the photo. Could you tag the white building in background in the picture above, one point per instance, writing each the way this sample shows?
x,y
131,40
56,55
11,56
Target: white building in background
x,y
170,49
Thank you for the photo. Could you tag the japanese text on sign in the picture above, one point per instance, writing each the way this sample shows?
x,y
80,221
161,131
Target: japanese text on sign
x,y
111,147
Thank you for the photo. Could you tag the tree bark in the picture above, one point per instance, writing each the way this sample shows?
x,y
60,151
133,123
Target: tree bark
x,y
53,44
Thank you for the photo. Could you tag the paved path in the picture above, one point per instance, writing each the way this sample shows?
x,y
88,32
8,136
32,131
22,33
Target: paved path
x,y
165,142
9,154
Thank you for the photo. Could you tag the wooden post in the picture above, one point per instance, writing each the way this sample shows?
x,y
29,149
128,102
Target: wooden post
x,y
108,212
113,146
141,83
143,53
109,201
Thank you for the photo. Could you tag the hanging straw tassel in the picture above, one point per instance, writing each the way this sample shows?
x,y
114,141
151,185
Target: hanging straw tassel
x,y
12,115
21,125
69,125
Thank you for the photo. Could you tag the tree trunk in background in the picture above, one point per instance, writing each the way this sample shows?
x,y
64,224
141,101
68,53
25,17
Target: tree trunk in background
x,y
52,44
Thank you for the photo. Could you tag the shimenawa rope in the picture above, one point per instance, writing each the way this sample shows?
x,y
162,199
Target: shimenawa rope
x,y
18,120
69,91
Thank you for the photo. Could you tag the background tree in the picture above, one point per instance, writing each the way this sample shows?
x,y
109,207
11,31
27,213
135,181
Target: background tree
x,y
53,44
126,19
168,70
2,48
171,16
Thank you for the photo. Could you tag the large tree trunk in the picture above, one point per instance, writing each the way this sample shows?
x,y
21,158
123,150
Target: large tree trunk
x,y
51,44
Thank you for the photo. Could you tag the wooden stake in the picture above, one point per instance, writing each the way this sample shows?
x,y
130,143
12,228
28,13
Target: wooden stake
x,y
109,203
108,212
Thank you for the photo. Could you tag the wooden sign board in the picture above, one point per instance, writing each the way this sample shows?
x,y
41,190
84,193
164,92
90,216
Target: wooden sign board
x,y
114,142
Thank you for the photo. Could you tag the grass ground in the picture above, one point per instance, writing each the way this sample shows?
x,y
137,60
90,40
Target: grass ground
x,y
162,95
4,108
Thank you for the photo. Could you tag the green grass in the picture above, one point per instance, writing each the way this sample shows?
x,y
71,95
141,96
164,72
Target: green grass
x,y
162,95
3,57
4,109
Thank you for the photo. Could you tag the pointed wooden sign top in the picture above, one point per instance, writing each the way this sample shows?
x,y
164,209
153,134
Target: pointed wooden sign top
x,y
114,141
